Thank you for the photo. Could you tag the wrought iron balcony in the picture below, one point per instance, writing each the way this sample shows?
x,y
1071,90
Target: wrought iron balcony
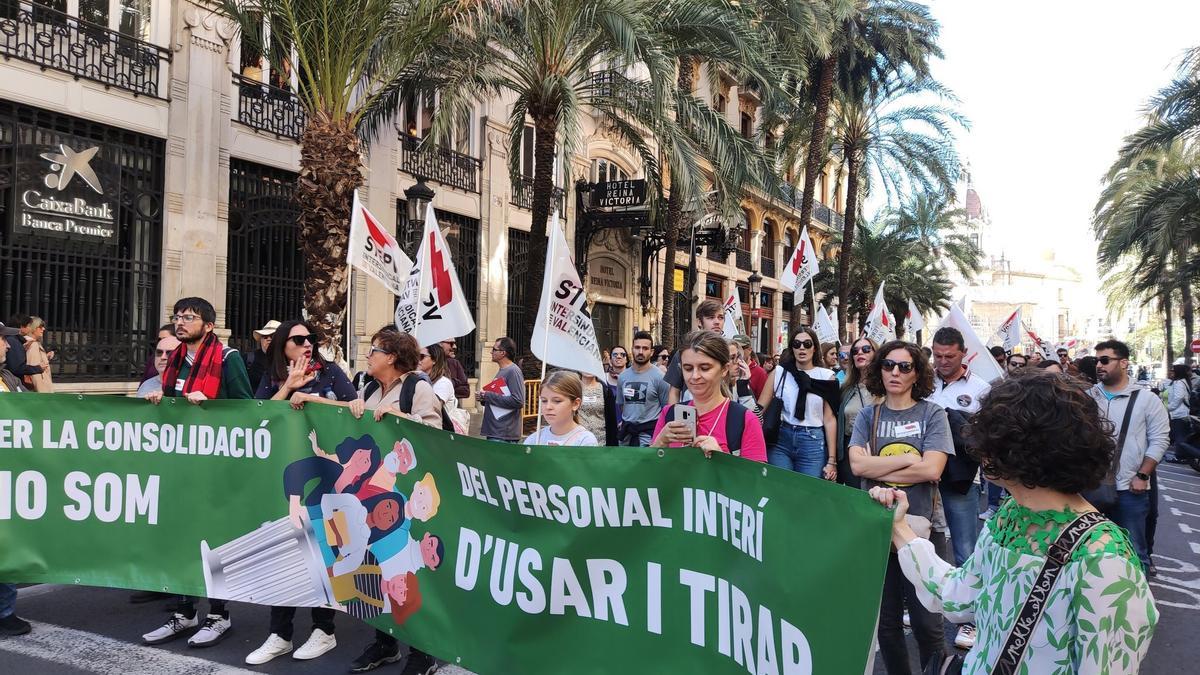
x,y
614,85
439,164
56,40
742,259
522,196
271,109
768,267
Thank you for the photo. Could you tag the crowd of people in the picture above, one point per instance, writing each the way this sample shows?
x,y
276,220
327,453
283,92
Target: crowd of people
x,y
1046,449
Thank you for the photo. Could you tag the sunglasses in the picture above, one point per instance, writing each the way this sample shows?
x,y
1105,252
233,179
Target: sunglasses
x,y
802,344
424,355
865,349
617,355
377,350
163,352
1105,360
889,365
300,340
1017,362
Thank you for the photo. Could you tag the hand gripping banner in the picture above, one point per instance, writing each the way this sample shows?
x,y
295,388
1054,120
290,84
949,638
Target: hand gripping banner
x,y
502,558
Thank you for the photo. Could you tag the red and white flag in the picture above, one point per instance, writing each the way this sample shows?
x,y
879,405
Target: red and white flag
x,y
1042,346
1009,333
433,307
913,321
801,267
979,361
825,328
880,326
373,250
733,317
564,334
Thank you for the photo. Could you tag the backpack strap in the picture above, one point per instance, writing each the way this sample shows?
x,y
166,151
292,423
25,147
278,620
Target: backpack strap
x,y
735,426
1111,478
408,391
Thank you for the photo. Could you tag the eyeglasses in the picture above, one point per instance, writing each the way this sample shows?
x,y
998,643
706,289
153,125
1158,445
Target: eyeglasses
x,y
865,349
619,355
889,365
377,350
424,355
185,318
1018,362
802,344
664,357
1105,360
299,340
163,352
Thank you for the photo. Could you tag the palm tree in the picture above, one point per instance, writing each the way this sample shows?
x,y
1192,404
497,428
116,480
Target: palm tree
x,y
885,139
547,54
871,40
351,58
1174,112
933,220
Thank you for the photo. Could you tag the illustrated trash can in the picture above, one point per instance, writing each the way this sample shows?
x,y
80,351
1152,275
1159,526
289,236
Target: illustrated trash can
x,y
276,564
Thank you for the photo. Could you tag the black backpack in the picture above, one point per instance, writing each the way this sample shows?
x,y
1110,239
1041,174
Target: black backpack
x,y
960,469
735,424
408,391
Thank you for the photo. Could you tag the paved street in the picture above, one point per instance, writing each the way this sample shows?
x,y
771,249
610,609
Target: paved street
x,y
96,630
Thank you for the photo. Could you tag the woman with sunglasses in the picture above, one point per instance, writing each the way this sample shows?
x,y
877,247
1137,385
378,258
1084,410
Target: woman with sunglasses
x,y
855,398
807,441
662,358
297,372
903,442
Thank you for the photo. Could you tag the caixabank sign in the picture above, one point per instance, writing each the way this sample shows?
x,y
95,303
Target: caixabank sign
x,y
68,190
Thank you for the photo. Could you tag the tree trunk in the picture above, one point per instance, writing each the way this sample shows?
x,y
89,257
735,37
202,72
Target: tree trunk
x,y
545,128
849,223
330,172
1168,327
667,322
1187,308
816,158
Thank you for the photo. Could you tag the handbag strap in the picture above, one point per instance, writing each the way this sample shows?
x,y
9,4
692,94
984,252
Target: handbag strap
x,y
1111,477
1058,555
875,429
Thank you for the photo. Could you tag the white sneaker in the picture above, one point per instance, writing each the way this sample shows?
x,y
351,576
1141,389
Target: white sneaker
x,y
213,630
986,515
907,620
274,646
966,636
173,628
318,643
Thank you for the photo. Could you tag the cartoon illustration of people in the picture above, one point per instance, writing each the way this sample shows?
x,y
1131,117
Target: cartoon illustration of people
x,y
400,460
346,470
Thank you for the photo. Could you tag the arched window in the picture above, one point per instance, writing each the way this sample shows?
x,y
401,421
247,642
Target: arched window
x,y
606,171
766,249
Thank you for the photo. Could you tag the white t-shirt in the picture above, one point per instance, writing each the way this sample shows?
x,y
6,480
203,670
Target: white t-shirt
x,y
814,406
577,436
444,388
965,393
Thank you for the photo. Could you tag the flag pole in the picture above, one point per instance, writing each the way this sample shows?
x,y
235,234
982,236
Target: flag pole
x,y
546,331
350,319
812,301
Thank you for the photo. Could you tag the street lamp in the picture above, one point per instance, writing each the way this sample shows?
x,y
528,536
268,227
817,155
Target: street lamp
x,y
755,287
418,197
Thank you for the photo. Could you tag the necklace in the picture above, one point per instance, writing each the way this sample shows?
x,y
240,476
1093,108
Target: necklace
x,y
721,411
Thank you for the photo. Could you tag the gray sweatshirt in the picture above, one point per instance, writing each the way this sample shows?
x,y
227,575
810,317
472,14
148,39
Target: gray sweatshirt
x,y
1149,428
508,427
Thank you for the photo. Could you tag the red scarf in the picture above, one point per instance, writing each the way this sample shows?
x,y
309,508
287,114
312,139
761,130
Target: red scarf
x,y
205,376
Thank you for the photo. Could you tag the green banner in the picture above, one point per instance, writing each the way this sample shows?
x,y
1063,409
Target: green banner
x,y
502,558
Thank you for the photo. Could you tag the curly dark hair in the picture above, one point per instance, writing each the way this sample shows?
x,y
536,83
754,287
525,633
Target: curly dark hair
x,y
922,388
1043,430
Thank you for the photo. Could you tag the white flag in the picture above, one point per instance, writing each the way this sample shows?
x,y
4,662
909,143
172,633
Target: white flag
x,y
880,327
801,267
833,319
733,317
1010,331
913,321
564,326
826,331
978,359
433,308
374,251
1041,345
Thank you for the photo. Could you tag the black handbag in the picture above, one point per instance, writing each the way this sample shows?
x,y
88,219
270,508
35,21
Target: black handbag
x,y
1104,497
772,417
1013,651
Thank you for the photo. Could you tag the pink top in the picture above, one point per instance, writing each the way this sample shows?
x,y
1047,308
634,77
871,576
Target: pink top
x,y
712,423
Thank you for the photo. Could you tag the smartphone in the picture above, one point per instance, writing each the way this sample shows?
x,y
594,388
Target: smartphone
x,y
686,414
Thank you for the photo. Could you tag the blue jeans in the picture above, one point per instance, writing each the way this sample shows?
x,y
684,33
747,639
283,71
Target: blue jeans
x,y
8,600
801,449
962,517
1130,513
995,494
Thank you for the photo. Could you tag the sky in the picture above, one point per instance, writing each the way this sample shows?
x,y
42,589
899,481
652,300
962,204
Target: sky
x,y
1051,88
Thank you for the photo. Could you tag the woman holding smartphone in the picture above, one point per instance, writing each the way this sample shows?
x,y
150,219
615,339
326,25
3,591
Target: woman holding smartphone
x,y
720,424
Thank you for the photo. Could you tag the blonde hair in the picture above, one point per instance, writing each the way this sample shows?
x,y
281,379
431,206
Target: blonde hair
x,y
567,384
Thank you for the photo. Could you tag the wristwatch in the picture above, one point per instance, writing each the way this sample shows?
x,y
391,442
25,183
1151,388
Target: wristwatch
x,y
1142,476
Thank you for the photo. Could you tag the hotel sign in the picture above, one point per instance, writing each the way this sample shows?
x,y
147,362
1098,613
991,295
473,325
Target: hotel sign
x,y
619,193
67,191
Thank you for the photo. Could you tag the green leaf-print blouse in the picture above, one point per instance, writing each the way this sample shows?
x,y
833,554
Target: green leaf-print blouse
x,y
1100,615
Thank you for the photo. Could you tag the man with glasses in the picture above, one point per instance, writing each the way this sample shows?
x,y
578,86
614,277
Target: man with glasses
x,y
1141,420
956,388
161,351
199,369
455,370
618,361
1016,362
504,397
